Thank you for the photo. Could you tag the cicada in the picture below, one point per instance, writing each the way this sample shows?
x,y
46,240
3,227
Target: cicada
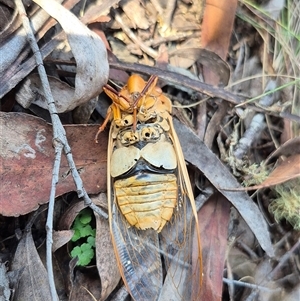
x,y
152,211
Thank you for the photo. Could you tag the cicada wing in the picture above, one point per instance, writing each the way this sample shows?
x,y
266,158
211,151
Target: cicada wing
x,y
176,281
139,258
182,253
177,246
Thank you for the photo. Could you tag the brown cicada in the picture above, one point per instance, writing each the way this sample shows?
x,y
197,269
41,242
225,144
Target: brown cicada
x,y
152,210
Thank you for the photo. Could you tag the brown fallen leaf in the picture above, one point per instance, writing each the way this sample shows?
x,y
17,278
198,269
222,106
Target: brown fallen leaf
x,y
287,170
218,18
14,40
86,285
217,25
289,148
60,238
135,13
208,59
33,284
214,228
105,258
199,155
26,161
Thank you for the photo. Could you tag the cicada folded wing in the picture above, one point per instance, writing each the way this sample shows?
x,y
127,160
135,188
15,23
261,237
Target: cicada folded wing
x,y
139,258
180,240
151,207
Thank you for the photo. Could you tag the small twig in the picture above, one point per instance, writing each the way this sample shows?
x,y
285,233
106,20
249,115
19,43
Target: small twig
x,y
250,285
247,249
134,38
169,11
157,6
49,224
181,80
257,124
283,259
176,37
58,146
178,79
59,142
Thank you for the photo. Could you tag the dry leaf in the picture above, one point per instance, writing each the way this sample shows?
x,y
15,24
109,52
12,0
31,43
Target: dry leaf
x,y
287,170
105,258
60,238
9,19
217,26
208,59
33,284
4,281
136,13
205,160
290,147
97,10
26,161
86,285
213,228
10,51
91,64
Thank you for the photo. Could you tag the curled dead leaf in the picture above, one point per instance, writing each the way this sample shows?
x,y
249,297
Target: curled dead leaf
x,y
91,63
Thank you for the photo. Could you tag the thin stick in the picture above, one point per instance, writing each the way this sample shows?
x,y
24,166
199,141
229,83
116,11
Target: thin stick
x,y
60,143
257,124
250,285
134,38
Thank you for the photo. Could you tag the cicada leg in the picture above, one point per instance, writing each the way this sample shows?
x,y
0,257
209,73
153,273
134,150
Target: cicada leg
x,y
113,111
117,98
102,127
139,101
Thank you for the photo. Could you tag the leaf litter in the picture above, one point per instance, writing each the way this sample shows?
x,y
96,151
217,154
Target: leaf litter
x,y
167,37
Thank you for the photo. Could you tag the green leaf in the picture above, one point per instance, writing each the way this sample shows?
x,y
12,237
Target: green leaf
x,y
85,216
76,235
76,252
77,224
86,257
85,254
91,241
85,247
86,231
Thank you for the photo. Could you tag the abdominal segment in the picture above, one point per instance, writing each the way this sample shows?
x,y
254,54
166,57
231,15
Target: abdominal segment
x,y
147,200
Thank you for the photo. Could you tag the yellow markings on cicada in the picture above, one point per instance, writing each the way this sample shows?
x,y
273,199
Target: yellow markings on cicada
x,y
147,201
149,190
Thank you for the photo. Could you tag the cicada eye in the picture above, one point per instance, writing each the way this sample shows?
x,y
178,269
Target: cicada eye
x,y
128,120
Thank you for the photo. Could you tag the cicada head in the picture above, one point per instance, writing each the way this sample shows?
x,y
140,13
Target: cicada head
x,y
135,84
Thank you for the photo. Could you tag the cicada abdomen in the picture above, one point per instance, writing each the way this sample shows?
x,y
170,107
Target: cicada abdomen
x,y
151,206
